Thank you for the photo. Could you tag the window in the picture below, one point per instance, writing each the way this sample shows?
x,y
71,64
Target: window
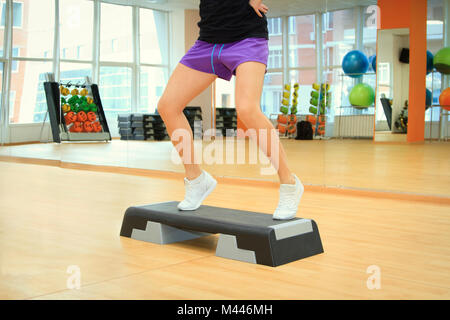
x,y
75,72
370,30
76,27
328,21
293,57
435,42
17,14
115,90
80,51
226,101
34,44
116,33
33,37
153,80
12,102
225,89
15,63
154,37
292,25
339,35
36,39
274,26
30,104
302,43
305,79
273,88
154,49
114,43
275,58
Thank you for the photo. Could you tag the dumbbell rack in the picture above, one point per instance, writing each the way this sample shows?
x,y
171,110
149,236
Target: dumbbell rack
x,y
59,128
319,116
194,116
138,126
226,121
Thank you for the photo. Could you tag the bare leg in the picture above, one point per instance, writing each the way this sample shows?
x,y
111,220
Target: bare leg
x,y
183,86
249,85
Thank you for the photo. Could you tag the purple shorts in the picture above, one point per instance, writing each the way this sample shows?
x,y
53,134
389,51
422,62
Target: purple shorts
x,y
223,59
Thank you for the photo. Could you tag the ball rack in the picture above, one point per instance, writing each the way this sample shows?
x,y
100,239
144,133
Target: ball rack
x,y
59,127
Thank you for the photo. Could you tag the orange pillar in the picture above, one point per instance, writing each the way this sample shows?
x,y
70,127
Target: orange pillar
x,y
411,14
417,78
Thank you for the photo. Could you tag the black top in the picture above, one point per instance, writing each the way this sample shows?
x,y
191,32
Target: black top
x,y
224,21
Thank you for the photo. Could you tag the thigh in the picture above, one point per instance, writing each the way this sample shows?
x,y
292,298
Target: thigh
x,y
249,85
184,85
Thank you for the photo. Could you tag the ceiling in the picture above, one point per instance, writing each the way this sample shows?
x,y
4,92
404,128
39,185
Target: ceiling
x,y
276,7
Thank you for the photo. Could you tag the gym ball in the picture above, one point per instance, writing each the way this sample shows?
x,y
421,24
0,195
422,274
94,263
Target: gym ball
x,y
373,63
442,60
355,63
444,99
362,95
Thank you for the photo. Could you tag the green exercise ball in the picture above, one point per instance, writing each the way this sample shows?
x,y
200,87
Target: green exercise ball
x,y
442,61
362,96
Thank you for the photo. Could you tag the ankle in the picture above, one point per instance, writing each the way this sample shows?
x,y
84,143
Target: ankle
x,y
193,175
287,179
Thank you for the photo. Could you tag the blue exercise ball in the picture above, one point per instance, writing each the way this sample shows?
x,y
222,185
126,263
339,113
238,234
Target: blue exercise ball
x,y
373,63
355,63
429,101
430,64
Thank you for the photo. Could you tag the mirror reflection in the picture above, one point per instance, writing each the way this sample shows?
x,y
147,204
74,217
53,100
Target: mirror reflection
x,y
337,79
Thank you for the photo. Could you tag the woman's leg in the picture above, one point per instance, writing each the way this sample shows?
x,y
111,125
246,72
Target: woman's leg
x,y
249,85
183,86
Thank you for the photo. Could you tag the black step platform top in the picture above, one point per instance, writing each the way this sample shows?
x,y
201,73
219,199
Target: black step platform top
x,y
205,219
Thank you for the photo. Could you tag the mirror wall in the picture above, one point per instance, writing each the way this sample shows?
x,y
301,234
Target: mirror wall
x,y
131,62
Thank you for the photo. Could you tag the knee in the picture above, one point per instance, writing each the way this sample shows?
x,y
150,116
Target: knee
x,y
248,112
169,107
163,107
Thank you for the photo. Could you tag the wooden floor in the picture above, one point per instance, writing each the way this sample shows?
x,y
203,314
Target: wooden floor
x,y
419,169
52,218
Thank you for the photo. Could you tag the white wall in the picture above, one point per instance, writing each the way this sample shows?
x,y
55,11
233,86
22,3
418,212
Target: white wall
x,y
390,44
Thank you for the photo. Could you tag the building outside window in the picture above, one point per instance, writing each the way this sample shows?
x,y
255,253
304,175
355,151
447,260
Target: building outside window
x,y
33,37
274,26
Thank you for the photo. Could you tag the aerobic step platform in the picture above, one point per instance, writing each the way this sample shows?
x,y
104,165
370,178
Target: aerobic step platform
x,y
245,236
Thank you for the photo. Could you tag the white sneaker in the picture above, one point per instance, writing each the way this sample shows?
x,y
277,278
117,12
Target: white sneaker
x,y
196,191
290,195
